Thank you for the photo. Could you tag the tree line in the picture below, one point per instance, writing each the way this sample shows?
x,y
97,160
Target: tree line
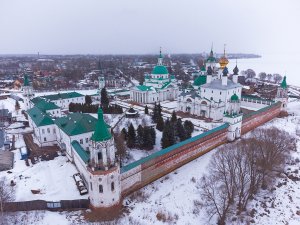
x,y
143,137
237,172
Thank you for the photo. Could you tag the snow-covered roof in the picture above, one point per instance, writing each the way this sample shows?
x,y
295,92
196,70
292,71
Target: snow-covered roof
x,y
217,84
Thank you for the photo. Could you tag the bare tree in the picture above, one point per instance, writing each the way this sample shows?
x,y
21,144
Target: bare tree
x,y
269,77
214,194
262,75
277,77
7,194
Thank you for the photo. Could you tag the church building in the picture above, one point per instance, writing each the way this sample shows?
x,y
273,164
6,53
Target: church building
x,y
158,86
212,91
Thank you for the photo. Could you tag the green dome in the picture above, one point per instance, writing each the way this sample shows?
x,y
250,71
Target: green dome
x,y
160,70
172,77
234,97
200,80
203,68
101,132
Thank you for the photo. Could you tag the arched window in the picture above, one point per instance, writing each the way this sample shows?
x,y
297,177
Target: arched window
x,y
100,188
112,186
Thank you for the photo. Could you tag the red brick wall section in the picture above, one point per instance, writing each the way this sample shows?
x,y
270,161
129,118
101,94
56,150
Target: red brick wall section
x,y
259,119
164,164
160,166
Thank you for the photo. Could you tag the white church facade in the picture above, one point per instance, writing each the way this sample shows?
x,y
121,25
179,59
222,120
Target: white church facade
x,y
158,86
212,91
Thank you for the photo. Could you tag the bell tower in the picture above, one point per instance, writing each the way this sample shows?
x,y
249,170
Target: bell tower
x,y
233,117
282,94
104,169
27,92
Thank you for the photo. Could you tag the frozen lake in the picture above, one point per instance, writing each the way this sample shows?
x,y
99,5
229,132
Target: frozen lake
x,y
284,64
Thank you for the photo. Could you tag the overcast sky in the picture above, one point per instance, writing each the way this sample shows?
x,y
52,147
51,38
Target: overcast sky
x,y
141,26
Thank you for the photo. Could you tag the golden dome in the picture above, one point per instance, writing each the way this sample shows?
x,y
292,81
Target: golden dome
x,y
223,60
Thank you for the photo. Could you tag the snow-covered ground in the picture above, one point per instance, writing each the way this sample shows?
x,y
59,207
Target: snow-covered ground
x,y
53,178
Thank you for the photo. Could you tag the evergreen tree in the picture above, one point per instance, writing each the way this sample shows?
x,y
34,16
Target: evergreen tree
x,y
159,110
147,139
189,128
155,113
131,136
124,133
17,105
168,137
180,131
140,136
104,98
160,124
88,100
174,117
153,135
146,110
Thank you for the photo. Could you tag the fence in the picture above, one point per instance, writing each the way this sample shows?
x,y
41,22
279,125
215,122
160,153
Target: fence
x,y
45,205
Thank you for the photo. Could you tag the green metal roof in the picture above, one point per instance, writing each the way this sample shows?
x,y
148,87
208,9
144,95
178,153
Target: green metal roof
x,y
283,83
84,155
62,96
101,132
43,105
36,100
26,80
171,148
144,88
160,69
203,68
77,123
39,117
166,85
172,77
234,97
200,80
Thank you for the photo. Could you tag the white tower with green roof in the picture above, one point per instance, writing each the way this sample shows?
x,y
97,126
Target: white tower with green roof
x,y
233,117
27,92
282,94
104,169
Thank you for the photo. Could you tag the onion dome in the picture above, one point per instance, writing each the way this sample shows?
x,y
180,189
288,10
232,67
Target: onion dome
x,y
234,98
101,132
283,83
225,71
211,58
209,71
223,60
236,70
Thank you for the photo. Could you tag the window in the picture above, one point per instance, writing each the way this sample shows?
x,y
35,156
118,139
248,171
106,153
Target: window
x,y
91,186
100,188
86,140
220,92
99,155
48,130
112,186
45,139
54,131
43,131
212,91
81,141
